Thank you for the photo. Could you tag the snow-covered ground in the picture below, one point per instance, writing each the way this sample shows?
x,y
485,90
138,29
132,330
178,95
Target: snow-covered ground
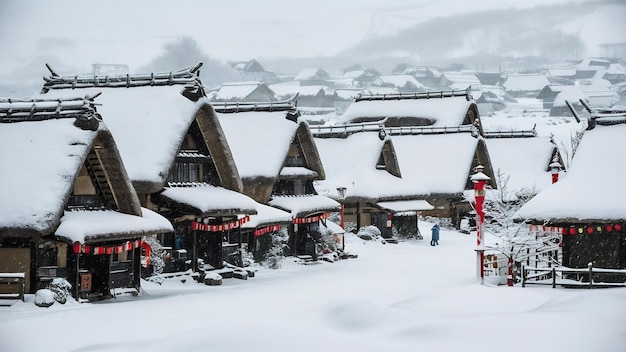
x,y
394,297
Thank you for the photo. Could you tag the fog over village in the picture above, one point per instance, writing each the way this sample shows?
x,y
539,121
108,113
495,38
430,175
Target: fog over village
x,y
281,175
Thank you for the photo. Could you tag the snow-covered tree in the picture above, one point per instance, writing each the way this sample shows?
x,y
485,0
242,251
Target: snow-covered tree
x,y
272,259
516,241
157,255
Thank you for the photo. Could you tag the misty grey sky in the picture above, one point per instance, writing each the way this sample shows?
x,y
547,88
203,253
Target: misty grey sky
x,y
80,33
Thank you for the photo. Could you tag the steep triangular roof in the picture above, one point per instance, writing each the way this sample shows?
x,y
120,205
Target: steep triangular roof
x,y
366,166
150,115
522,162
52,140
243,91
398,81
260,137
441,163
594,188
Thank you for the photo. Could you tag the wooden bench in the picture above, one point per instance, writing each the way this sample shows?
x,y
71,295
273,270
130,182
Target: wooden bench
x,y
12,285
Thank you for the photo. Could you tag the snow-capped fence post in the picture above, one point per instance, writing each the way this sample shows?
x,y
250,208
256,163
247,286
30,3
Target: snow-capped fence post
x,y
480,180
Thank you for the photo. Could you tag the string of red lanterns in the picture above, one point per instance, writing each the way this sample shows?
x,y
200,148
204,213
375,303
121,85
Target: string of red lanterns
x,y
310,219
100,250
265,230
591,229
196,225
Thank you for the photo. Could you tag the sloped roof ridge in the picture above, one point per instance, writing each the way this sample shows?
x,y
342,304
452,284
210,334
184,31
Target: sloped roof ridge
x,y
511,133
421,95
245,106
16,110
378,126
188,76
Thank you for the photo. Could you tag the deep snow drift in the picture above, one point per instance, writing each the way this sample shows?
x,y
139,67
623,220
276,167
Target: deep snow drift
x,y
394,297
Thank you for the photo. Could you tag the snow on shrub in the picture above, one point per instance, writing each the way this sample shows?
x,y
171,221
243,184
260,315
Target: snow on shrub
x,y
44,298
61,289
369,233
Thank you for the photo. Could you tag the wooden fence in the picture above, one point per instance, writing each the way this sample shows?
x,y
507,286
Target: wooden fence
x,y
548,276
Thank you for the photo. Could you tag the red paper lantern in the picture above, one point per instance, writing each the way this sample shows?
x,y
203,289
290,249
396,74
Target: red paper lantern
x,y
572,230
609,228
618,227
590,230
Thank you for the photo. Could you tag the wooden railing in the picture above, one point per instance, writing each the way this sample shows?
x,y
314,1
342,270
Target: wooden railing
x,y
548,276
12,285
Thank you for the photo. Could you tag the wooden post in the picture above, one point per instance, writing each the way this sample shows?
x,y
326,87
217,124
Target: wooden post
x,y
590,266
194,253
523,276
553,278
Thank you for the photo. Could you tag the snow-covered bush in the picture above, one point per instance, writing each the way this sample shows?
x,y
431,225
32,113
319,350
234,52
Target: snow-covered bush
x,y
272,259
328,239
247,258
157,255
44,298
61,289
369,233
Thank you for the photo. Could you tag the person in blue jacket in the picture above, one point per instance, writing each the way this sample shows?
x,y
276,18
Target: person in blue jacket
x,y
435,237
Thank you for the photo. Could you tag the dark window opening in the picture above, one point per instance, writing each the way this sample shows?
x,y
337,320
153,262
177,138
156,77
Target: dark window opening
x,y
293,187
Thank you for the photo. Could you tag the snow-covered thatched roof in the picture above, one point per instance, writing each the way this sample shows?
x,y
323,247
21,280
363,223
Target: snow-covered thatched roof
x,y
399,81
525,82
353,162
242,91
149,122
522,162
260,141
594,189
304,205
267,215
440,163
43,153
288,89
207,200
449,109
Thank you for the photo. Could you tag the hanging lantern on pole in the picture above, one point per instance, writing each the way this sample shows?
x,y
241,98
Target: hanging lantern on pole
x,y
480,180
341,191
555,167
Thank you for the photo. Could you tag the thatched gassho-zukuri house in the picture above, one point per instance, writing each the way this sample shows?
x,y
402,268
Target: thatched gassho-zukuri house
x,y
68,207
449,110
589,204
175,152
521,161
280,168
443,164
438,141
375,192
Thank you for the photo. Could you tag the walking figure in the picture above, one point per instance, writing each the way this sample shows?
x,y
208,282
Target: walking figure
x,y
435,236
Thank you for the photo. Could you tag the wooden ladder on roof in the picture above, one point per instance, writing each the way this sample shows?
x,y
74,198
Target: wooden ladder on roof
x,y
98,175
